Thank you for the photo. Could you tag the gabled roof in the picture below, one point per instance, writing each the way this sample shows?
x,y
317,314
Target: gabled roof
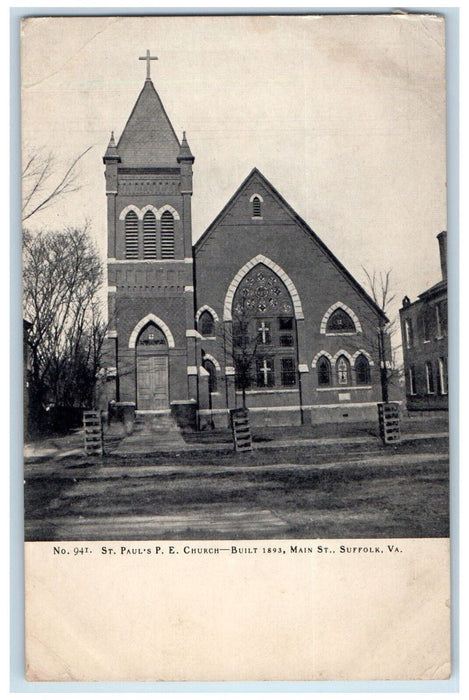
x,y
440,286
303,225
148,139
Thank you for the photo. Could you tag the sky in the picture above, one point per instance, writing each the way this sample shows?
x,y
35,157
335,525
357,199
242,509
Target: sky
x,y
344,116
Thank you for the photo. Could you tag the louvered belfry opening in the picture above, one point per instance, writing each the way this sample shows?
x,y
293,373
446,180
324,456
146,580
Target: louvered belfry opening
x,y
149,235
167,235
131,235
256,206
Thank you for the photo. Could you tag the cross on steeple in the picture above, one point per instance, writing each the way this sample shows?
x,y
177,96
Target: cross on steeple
x,y
148,58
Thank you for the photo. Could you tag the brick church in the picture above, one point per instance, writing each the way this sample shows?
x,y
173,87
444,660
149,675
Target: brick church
x,y
258,310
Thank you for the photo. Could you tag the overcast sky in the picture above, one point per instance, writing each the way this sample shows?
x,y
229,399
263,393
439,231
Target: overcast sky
x,y
345,116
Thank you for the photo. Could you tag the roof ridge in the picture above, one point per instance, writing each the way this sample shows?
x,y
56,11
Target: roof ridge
x,y
299,220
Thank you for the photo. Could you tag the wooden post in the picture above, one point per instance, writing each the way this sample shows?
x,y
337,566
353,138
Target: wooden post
x,y
93,430
241,429
388,414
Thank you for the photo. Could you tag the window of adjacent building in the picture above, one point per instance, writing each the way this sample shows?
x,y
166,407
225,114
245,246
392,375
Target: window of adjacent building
x,y
131,235
411,380
265,372
362,370
256,207
212,375
443,305
343,371
149,235
340,322
167,235
440,319
429,378
324,371
409,333
427,323
288,371
443,374
206,324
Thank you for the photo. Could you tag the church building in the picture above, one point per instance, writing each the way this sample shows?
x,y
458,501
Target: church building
x,y
258,311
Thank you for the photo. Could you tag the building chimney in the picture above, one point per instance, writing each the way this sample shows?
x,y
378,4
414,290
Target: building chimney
x,y
442,243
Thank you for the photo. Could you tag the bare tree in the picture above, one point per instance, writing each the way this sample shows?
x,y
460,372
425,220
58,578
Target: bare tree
x,y
62,275
242,347
379,286
44,184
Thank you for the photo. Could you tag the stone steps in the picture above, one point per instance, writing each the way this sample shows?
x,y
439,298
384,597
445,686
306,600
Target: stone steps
x,y
154,431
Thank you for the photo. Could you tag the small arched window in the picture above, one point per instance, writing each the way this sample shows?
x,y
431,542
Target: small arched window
x,y
343,371
324,371
212,375
167,235
256,207
206,324
340,322
149,235
362,370
131,235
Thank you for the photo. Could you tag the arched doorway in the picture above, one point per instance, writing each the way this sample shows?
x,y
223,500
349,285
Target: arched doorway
x,y
151,351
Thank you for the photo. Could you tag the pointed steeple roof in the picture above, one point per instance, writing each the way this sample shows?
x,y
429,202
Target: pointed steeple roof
x,y
185,151
111,151
148,139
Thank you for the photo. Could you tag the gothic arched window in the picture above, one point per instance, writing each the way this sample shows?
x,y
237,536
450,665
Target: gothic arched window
x,y
212,375
362,370
324,371
206,324
343,371
167,235
149,235
131,235
256,207
340,322
264,332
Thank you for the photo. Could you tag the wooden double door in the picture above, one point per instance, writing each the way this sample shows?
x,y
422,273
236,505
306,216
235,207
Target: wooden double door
x,y
152,382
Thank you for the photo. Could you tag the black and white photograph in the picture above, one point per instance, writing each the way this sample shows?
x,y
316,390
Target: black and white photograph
x,y
235,304
235,297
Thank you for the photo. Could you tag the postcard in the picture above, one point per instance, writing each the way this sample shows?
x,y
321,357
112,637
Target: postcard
x,y
235,348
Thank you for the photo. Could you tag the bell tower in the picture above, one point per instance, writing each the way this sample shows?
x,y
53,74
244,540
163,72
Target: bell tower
x,y
151,337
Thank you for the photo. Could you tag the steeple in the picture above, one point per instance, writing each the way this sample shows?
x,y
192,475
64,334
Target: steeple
x,y
111,152
185,151
148,139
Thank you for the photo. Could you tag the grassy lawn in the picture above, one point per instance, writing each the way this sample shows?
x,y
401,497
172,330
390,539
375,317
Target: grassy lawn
x,y
399,491
410,425
292,454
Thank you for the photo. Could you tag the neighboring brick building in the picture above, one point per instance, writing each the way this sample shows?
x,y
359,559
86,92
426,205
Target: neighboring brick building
x,y
258,272
424,325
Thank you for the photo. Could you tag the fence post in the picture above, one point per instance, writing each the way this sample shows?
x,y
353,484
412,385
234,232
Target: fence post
x,y
241,429
93,431
388,414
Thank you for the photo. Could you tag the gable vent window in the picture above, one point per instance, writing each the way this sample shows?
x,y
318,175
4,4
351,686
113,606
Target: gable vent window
x,y
167,235
149,235
131,235
256,207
